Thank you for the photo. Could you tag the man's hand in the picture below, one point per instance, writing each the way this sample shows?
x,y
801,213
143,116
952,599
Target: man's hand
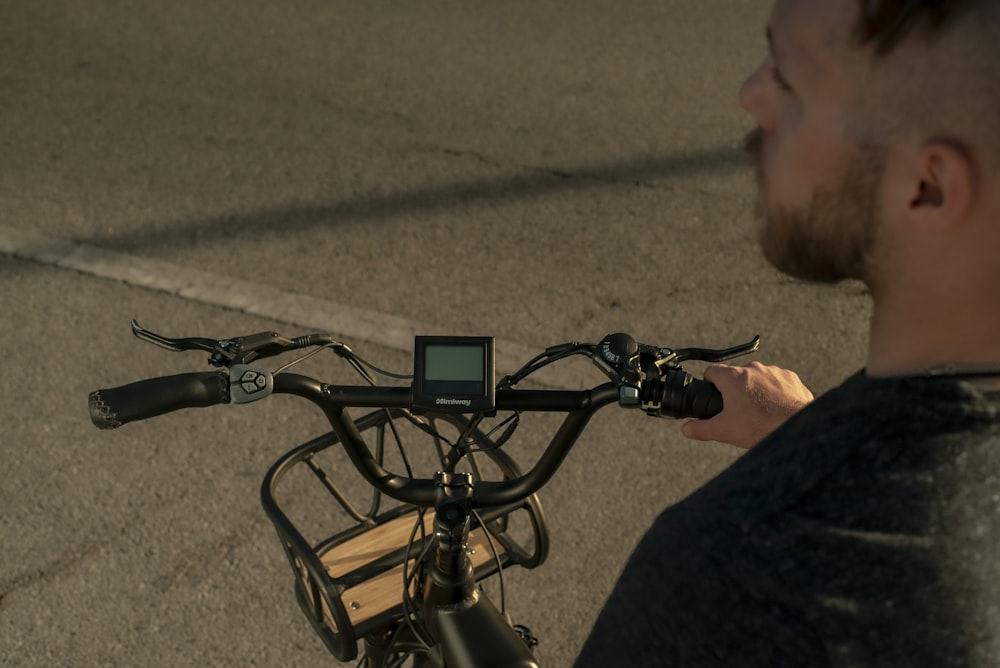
x,y
757,399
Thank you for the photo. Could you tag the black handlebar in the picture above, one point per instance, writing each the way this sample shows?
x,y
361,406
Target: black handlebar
x,y
641,376
682,396
144,399
676,395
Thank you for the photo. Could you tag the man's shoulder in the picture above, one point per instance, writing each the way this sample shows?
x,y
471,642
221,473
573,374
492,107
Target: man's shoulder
x,y
864,432
901,405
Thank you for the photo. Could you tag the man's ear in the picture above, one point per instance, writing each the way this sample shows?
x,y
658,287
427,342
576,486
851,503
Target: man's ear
x,y
943,184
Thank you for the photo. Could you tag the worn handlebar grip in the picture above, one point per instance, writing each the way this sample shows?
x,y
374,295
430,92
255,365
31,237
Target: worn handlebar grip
x,y
144,399
685,396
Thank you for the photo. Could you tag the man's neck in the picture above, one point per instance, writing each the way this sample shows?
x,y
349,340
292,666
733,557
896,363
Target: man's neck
x,y
911,336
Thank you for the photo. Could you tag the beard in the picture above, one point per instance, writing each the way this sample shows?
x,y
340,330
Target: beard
x,y
833,237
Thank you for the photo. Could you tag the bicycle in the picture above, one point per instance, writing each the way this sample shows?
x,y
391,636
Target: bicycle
x,y
405,583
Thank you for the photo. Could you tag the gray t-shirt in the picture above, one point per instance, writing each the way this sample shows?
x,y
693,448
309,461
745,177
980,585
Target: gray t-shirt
x,y
863,532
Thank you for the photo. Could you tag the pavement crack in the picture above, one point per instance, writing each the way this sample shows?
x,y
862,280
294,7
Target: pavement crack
x,y
46,572
191,566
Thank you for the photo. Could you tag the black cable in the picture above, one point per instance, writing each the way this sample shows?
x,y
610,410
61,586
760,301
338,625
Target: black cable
x,y
496,556
408,604
550,355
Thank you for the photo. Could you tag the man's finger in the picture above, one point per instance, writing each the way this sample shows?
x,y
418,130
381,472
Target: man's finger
x,y
695,430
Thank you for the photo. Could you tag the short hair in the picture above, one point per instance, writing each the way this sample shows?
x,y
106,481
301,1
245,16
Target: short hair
x,y
964,104
883,23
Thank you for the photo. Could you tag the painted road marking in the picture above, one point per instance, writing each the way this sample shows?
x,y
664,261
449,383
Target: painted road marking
x,y
351,324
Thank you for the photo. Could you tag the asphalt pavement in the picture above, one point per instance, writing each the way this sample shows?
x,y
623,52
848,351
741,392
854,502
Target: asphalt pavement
x,y
540,172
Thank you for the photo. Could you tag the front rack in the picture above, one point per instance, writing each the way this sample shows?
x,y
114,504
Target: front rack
x,y
349,583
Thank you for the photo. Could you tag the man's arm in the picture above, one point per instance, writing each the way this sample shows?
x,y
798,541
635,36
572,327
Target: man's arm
x,y
757,399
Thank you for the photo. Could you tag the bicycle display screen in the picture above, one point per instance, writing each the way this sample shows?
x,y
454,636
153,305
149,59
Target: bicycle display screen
x,y
453,374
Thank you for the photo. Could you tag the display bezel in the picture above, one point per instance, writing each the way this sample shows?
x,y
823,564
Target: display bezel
x,y
431,392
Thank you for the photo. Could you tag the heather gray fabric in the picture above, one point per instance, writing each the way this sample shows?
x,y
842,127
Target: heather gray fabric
x,y
864,532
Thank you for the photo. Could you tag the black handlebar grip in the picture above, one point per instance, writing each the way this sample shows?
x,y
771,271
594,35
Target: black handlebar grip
x,y
685,396
114,407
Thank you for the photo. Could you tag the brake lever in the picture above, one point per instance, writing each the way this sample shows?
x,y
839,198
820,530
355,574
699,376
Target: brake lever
x,y
673,357
226,352
176,345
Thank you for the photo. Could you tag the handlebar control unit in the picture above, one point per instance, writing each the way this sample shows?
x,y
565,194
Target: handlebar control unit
x,y
248,383
454,374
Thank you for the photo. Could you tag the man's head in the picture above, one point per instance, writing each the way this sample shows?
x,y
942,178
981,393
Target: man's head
x,y
877,121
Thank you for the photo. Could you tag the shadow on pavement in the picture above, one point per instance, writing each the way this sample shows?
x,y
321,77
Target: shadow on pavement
x,y
535,183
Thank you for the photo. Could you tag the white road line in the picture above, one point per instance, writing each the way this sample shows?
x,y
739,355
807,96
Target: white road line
x,y
351,324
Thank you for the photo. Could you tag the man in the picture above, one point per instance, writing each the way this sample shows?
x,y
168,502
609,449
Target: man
x,y
862,528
